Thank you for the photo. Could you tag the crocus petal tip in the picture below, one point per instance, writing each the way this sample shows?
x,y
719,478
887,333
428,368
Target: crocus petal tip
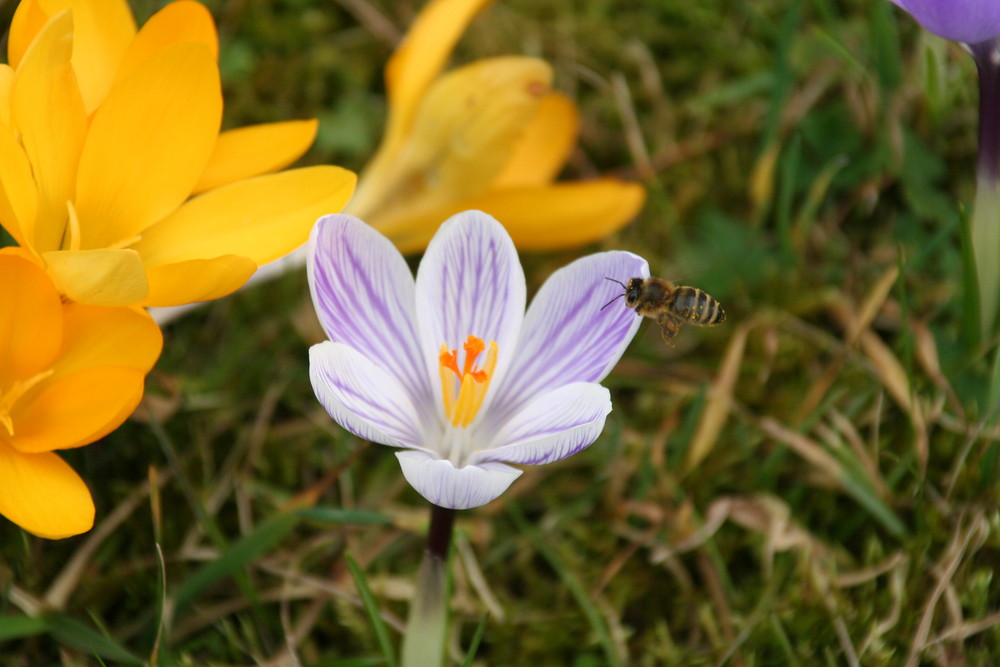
x,y
441,483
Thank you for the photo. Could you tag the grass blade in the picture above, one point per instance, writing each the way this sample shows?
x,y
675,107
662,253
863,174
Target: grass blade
x,y
235,557
575,586
885,46
374,614
161,607
337,515
73,633
18,627
476,638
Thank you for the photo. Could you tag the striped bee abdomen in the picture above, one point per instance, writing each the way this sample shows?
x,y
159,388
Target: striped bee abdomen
x,y
697,307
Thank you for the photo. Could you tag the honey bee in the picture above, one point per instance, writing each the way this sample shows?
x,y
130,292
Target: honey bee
x,y
670,305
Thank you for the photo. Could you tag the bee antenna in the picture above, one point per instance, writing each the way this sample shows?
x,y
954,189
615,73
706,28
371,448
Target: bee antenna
x,y
612,300
616,281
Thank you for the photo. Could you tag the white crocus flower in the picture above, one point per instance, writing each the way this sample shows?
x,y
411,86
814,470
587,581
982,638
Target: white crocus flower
x,y
449,368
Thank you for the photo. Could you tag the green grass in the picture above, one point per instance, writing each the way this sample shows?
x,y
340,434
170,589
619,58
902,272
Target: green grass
x,y
813,483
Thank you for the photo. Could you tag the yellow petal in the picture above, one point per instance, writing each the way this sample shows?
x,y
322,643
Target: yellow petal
x,y
75,410
6,83
462,136
18,194
43,495
23,253
193,280
472,116
262,218
27,21
544,146
181,21
419,58
104,277
148,144
255,150
543,218
47,110
565,214
103,31
95,336
31,321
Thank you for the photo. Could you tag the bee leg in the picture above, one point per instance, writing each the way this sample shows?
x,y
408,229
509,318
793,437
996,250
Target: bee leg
x,y
670,324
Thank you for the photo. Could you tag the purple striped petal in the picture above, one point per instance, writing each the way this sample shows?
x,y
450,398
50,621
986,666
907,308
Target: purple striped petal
x,y
463,488
566,336
364,296
362,397
551,427
470,282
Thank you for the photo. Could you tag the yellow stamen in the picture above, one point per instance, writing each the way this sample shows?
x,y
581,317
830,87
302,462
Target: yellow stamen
x,y
10,398
448,362
466,407
474,382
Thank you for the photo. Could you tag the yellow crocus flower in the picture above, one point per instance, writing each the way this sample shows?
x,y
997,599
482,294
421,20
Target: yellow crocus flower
x,y
106,132
490,135
69,375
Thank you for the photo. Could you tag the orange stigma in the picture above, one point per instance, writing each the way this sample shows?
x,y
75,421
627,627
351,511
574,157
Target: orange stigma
x,y
462,406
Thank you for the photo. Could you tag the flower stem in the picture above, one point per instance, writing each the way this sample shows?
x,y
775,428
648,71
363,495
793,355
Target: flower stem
x,y
439,534
984,223
427,626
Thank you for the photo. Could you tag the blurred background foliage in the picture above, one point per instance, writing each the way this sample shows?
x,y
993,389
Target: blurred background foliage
x,y
815,482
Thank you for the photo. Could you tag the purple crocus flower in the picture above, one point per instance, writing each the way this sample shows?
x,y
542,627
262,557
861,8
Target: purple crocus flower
x,y
966,21
976,24
449,368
